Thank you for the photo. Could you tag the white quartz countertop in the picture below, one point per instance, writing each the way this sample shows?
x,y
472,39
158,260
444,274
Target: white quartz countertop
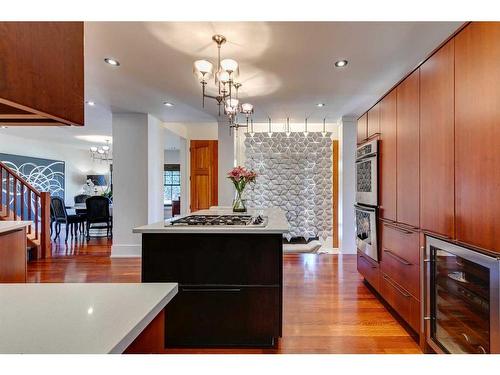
x,y
276,223
7,226
77,318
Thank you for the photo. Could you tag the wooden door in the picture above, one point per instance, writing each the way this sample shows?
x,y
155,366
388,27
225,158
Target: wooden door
x,y
477,134
387,155
374,120
407,147
204,174
362,128
437,170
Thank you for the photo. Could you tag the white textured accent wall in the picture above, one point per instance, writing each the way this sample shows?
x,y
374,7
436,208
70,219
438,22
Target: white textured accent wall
x,y
295,174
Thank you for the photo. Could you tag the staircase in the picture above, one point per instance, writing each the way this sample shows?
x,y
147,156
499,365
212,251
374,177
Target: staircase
x,y
19,201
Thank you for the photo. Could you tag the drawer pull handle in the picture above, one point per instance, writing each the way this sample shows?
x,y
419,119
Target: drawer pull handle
x,y
401,291
404,231
367,261
211,290
398,258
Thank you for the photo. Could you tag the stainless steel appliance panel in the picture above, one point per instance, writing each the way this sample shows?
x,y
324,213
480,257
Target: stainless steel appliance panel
x,y
366,230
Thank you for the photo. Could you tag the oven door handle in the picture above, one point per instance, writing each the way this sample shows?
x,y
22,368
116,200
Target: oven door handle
x,y
365,208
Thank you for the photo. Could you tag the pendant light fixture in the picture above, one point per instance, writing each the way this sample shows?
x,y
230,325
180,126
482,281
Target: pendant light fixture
x,y
226,85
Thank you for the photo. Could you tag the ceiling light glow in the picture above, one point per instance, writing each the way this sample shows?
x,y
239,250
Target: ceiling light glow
x,y
112,61
340,63
168,104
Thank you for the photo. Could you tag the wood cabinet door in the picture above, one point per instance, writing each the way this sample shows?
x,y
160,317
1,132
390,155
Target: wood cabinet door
x,y
407,146
387,157
477,134
374,120
42,68
437,169
204,174
362,128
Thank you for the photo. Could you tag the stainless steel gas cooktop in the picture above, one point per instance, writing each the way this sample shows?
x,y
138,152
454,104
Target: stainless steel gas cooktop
x,y
226,220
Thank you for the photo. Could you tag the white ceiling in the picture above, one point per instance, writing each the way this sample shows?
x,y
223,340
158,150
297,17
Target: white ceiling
x,y
286,67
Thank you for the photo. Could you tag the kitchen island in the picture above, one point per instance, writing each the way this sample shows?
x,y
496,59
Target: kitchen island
x,y
230,276
82,318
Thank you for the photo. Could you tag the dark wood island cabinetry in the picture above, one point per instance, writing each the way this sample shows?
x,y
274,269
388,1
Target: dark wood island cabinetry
x,y
230,283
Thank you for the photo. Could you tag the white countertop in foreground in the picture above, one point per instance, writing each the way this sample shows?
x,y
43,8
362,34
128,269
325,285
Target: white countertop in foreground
x,y
7,226
77,318
277,223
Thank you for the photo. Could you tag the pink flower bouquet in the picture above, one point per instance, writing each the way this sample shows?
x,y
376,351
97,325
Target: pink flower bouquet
x,y
240,178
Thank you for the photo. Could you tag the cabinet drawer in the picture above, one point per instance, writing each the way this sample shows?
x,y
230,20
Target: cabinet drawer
x,y
401,301
369,269
402,271
201,316
400,241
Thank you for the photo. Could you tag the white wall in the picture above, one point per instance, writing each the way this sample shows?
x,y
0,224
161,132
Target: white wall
x,y
172,156
156,144
227,160
347,194
77,161
138,147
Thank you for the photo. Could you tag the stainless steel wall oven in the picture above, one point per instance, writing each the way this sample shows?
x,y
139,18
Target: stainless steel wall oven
x,y
462,299
366,173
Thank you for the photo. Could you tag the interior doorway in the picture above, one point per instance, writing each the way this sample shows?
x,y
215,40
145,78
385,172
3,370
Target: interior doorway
x,y
204,174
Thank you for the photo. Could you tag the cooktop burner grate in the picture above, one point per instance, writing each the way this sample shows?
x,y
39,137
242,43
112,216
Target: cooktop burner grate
x,y
234,220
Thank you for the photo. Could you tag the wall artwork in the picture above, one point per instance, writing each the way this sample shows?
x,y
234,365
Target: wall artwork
x,y
295,174
42,174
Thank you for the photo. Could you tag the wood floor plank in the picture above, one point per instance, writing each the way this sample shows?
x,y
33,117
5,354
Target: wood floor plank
x,y
327,307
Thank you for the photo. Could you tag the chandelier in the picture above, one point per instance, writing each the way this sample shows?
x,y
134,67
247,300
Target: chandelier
x,y
226,85
101,153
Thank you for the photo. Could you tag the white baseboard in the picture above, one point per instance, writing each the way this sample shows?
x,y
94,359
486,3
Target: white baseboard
x,y
126,251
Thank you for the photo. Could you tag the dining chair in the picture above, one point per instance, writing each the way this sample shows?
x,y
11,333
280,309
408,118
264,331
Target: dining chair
x,y
60,216
98,216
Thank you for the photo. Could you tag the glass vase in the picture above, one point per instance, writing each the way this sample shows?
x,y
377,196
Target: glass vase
x,y
239,202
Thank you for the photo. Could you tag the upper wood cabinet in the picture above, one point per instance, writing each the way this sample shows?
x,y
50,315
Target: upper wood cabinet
x,y
437,185
373,120
41,73
477,134
362,128
408,151
387,156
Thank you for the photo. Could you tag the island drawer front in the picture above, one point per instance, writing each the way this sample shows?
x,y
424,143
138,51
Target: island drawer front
x,y
407,306
200,316
223,259
369,269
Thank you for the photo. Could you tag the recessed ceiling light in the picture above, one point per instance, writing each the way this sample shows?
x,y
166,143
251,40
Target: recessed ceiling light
x,y
168,104
4,127
340,63
320,105
90,103
111,61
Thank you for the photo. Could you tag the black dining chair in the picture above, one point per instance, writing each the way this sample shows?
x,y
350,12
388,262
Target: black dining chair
x,y
60,216
81,198
98,216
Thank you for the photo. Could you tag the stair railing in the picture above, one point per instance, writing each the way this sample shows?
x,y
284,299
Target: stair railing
x,y
20,201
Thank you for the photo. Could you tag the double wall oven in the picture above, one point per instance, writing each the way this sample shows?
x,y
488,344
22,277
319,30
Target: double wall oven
x,y
367,198
462,299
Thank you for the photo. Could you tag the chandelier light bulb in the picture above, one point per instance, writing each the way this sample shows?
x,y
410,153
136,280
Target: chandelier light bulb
x,y
247,108
93,149
223,77
100,151
105,148
203,66
229,65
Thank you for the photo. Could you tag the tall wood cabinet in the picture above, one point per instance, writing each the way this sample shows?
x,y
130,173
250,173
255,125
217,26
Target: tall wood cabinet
x,y
373,120
477,134
387,156
362,128
437,185
407,146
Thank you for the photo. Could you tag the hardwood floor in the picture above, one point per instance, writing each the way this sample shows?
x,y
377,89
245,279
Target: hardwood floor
x,y
327,306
